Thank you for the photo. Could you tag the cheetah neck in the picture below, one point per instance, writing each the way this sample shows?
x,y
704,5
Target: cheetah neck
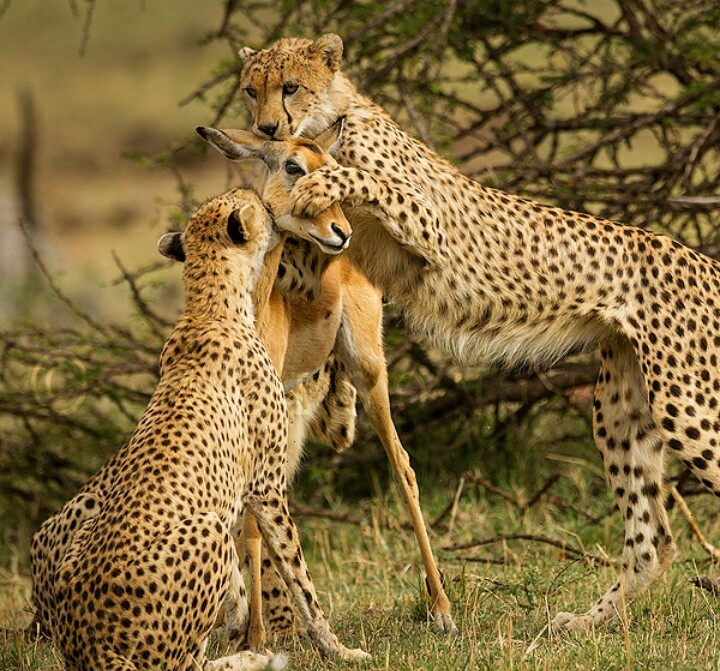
x,y
219,288
346,100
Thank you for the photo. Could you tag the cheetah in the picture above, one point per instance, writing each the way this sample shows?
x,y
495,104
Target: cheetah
x,y
320,398
331,305
489,276
141,582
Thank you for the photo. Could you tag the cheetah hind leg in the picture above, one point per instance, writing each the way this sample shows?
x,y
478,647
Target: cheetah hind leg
x,y
49,548
632,449
211,564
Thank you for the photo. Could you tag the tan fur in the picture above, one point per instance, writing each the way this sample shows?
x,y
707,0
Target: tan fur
x,y
137,579
336,337
488,276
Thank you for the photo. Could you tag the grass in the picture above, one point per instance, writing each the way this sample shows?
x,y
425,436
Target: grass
x,y
503,594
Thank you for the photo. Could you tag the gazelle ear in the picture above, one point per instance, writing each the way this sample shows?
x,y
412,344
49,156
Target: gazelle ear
x,y
330,46
246,53
329,140
235,144
171,246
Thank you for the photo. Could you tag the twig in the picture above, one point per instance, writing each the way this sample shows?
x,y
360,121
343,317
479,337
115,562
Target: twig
x,y
211,83
534,499
491,487
711,550
695,202
505,561
417,121
522,506
51,281
154,321
451,507
561,502
87,23
536,538
381,19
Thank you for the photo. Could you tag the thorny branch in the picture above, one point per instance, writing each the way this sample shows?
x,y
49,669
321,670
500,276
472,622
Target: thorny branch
x,y
610,108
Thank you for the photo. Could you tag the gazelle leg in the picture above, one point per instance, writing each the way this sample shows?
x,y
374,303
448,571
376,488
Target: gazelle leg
x,y
253,547
360,349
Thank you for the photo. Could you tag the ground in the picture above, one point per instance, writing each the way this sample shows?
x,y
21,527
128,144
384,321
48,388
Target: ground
x,y
365,566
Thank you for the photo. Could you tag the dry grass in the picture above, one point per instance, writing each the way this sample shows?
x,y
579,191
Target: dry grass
x,y
503,594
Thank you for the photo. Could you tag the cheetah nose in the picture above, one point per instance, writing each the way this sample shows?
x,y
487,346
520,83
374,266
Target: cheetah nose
x,y
269,129
344,237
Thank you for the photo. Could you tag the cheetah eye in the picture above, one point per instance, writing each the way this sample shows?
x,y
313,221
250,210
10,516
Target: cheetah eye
x,y
292,168
289,89
251,92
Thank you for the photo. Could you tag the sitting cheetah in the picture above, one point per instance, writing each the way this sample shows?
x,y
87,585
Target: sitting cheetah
x,y
141,582
299,314
489,276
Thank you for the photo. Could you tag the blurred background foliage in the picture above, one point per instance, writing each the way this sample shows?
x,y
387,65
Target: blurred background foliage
x,y
609,107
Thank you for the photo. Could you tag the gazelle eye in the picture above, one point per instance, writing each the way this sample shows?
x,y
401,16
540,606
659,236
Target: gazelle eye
x,y
289,89
292,168
251,92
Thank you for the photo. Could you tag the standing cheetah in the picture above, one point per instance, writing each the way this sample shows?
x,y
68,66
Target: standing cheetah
x,y
489,276
141,582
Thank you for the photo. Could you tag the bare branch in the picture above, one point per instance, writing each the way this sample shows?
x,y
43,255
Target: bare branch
x,y
569,548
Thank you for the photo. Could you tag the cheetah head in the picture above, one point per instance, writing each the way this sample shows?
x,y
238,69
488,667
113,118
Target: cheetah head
x,y
235,220
287,161
289,87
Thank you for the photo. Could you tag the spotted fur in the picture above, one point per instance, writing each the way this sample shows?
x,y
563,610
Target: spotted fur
x,y
489,276
139,584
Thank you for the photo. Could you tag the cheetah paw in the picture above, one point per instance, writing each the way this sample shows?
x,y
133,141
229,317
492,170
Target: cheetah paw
x,y
248,661
314,194
277,662
569,623
354,655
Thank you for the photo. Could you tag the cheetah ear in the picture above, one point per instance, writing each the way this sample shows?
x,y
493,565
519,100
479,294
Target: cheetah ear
x,y
235,144
171,246
329,140
330,46
246,53
237,225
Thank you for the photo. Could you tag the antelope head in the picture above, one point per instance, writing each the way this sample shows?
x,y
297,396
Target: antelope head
x,y
287,161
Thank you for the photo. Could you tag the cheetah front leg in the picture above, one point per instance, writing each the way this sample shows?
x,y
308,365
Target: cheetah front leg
x,y
402,210
632,449
281,536
324,406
